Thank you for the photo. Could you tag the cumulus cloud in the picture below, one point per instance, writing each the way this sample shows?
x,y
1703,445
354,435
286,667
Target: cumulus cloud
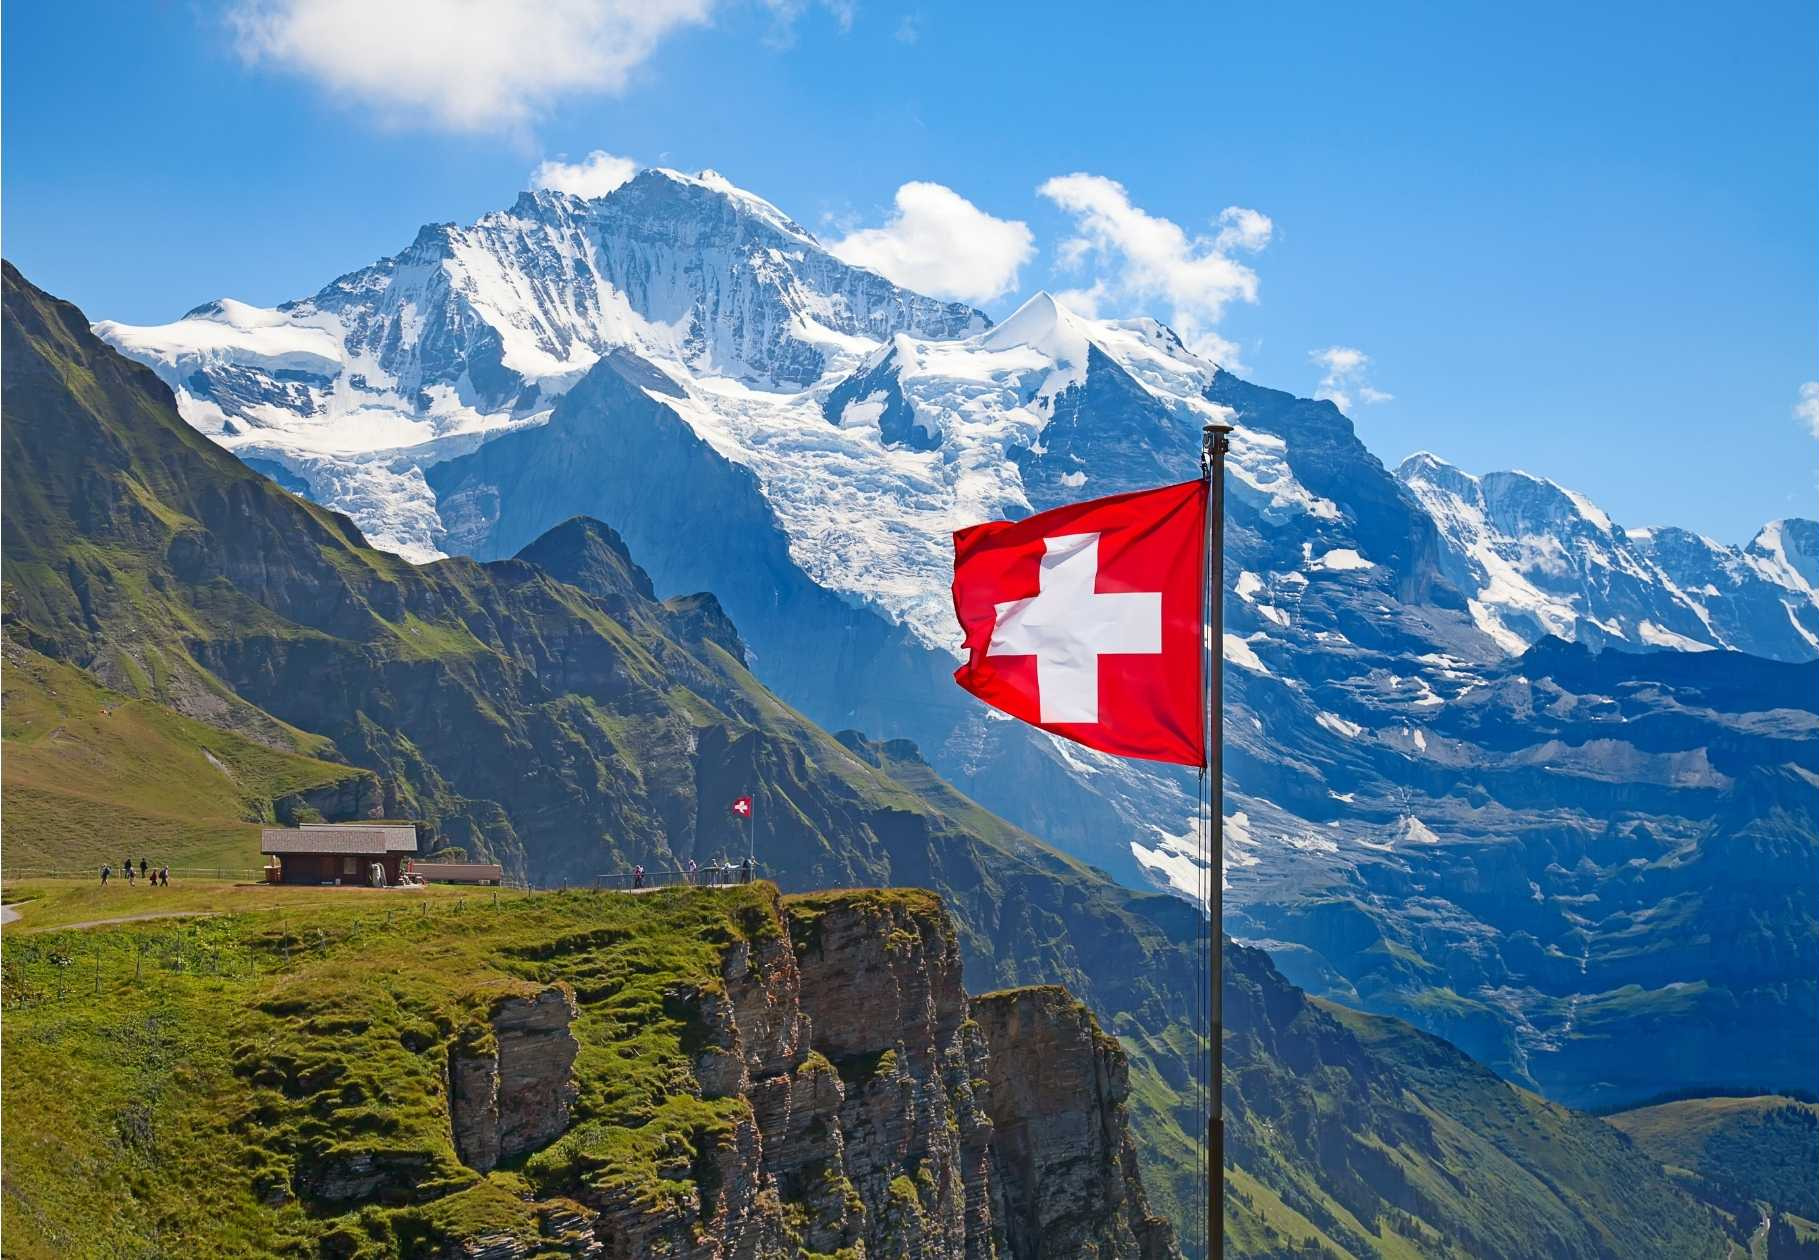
x,y
938,242
595,175
1139,257
461,65
1807,409
1344,380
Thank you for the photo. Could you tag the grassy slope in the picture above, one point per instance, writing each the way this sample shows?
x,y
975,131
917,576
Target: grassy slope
x,y
1387,1142
87,770
157,1114
1743,1150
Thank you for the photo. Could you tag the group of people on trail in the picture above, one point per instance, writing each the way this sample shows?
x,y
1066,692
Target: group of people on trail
x,y
159,877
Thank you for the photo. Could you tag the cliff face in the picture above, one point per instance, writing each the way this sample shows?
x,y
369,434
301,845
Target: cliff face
x,y
887,1115
1057,1088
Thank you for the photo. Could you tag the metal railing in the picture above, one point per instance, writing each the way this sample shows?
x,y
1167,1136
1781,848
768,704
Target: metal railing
x,y
705,877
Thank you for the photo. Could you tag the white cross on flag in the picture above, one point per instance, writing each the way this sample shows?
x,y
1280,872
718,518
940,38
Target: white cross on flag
x,y
742,806
1086,620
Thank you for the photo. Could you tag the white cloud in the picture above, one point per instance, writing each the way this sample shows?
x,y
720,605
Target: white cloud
x,y
461,65
1139,257
938,242
784,15
909,28
1344,377
1244,229
1807,409
595,175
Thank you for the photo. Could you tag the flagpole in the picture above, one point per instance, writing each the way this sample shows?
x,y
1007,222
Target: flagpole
x,y
1213,446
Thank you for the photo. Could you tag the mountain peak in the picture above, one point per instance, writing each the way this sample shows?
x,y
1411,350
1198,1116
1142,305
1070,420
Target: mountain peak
x,y
1044,324
589,554
663,180
1427,468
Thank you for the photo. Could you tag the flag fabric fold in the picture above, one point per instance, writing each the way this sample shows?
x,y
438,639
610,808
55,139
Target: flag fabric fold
x,y
1088,620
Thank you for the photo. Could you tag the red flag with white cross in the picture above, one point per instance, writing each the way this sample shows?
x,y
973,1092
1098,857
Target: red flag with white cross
x,y
742,806
1088,620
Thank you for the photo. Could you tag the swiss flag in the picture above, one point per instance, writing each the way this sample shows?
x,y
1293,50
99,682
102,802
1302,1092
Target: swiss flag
x,y
742,806
1087,620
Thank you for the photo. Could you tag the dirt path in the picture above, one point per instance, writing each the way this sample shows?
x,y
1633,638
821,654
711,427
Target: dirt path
x,y
9,914
133,918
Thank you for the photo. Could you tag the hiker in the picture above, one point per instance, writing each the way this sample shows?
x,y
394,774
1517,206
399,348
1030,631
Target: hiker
x,y
637,877
144,866
106,870
748,869
164,876
693,870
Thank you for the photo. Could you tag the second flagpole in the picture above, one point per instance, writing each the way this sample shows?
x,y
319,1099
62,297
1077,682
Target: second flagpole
x,y
1213,446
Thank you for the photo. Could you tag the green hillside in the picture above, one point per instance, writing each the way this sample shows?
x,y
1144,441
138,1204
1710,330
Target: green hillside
x,y
86,768
1736,1150
1370,1138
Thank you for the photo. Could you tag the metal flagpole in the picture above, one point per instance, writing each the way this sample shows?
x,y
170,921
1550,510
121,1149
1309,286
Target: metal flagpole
x,y
1213,446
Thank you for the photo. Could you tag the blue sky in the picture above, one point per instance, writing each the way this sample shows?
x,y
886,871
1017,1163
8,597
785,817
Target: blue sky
x,y
1581,240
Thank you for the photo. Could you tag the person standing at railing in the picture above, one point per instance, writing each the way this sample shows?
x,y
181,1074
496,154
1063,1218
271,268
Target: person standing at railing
x,y
693,870
637,877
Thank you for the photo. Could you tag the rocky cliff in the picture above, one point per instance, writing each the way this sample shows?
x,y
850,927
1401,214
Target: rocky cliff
x,y
692,1075
1068,1166
876,1096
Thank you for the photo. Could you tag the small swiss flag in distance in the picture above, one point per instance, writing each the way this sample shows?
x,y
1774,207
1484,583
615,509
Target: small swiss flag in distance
x,y
1086,620
743,807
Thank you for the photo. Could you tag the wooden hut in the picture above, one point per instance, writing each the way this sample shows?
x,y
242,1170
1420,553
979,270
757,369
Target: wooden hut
x,y
338,853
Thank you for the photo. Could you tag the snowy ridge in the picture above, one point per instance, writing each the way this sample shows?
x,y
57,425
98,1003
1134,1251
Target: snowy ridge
x,y
472,331
1535,558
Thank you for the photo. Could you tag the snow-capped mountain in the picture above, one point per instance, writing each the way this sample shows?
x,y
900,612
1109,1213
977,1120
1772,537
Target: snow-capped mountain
x,y
472,331
1536,558
800,436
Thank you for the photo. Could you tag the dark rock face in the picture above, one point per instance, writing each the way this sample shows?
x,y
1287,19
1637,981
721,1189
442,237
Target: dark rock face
x,y
881,986
1062,1146
511,1094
